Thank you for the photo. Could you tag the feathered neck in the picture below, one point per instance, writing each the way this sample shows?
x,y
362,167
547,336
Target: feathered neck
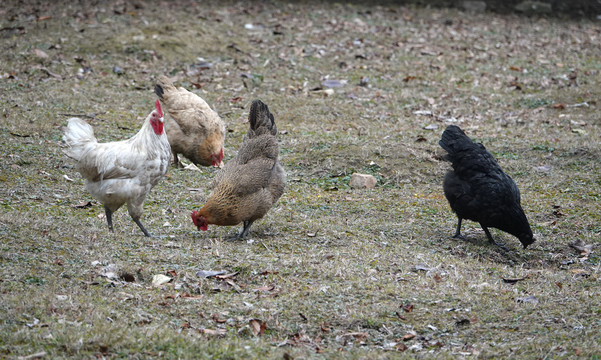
x,y
147,140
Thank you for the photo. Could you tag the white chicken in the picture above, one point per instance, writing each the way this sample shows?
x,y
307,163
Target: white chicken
x,y
122,171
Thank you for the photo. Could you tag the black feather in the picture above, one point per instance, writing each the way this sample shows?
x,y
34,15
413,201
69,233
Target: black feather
x,y
260,119
477,188
158,89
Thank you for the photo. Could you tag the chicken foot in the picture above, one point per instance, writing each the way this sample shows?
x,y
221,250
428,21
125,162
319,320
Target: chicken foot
x,y
458,231
490,239
244,231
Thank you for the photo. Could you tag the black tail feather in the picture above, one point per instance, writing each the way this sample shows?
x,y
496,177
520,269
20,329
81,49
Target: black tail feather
x,y
158,89
260,117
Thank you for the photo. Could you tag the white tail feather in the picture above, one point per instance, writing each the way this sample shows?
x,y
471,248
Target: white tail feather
x,y
78,134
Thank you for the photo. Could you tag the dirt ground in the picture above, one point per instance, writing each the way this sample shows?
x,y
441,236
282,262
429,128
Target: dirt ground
x,y
331,271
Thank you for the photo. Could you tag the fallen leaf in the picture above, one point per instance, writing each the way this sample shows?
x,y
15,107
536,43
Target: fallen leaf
x,y
82,205
257,327
41,54
173,273
407,337
528,299
325,327
227,276
584,249
265,288
333,83
209,273
559,106
213,332
160,279
217,319
37,355
407,307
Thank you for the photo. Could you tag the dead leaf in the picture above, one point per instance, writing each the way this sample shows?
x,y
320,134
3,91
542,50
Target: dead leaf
x,y
217,319
325,327
559,106
209,273
407,337
407,307
82,205
584,249
580,272
400,316
528,299
160,279
258,327
41,54
361,336
265,288
173,273
227,276
303,316
213,332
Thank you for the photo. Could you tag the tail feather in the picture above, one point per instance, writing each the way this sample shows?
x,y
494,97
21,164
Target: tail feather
x,y
453,139
163,83
77,135
261,120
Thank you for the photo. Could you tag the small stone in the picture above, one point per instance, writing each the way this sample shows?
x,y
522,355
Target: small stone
x,y
363,181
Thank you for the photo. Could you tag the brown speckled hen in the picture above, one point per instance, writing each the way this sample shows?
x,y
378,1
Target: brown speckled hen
x,y
249,184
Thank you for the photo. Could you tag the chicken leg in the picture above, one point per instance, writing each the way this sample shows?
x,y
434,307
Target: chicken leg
x,y
490,239
109,217
146,233
458,231
245,229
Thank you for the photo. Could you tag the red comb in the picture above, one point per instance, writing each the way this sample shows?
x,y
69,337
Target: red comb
x,y
157,106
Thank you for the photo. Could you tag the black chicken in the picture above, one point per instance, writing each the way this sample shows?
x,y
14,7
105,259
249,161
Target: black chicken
x,y
477,189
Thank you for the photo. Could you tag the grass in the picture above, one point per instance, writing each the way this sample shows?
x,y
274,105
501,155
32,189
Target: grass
x,y
331,271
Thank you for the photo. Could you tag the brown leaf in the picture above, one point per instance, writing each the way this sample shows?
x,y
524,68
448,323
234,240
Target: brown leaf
x,y
258,327
213,332
584,249
217,319
407,307
82,205
400,316
408,337
227,276
325,327
41,54
559,284
515,68
559,106
401,347
173,273
42,18
265,288
437,278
